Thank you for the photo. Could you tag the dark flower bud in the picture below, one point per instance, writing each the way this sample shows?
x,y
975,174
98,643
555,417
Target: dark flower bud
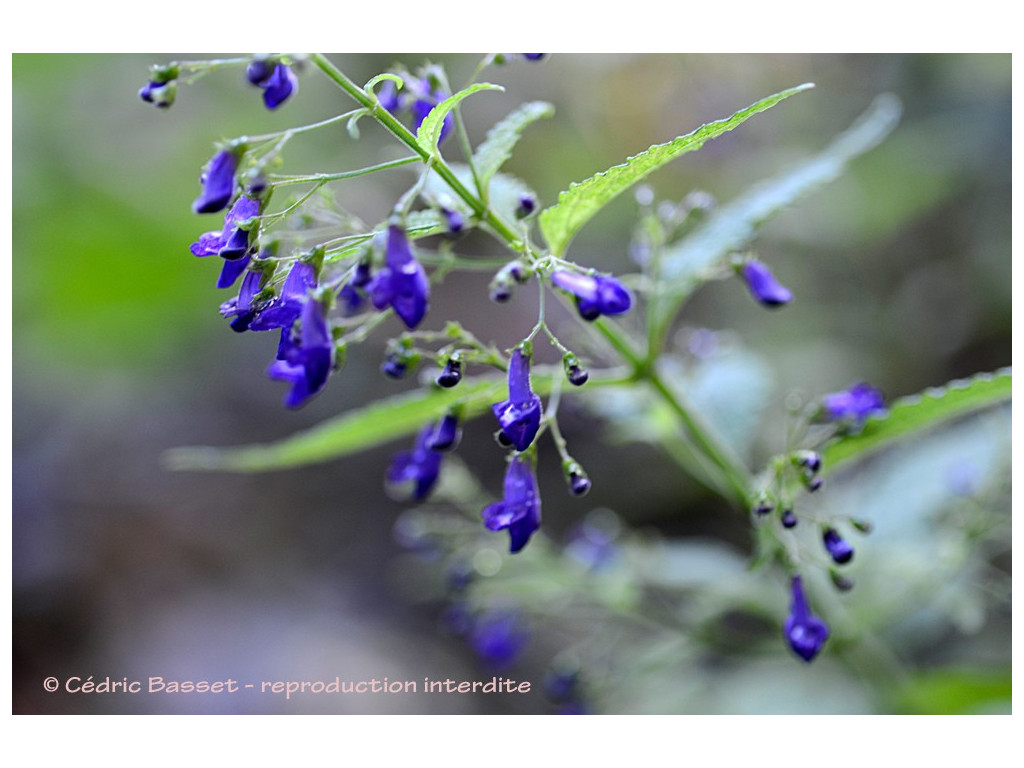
x,y
763,286
805,632
763,507
788,519
837,547
576,477
259,70
446,434
533,56
576,374
394,367
452,373
813,483
501,291
454,220
841,582
527,205
809,460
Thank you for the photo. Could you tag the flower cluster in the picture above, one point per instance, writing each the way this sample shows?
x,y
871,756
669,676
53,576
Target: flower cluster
x,y
418,95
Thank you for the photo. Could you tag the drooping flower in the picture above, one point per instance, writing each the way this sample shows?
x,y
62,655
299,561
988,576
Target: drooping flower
x,y
232,243
401,283
452,373
446,435
240,308
519,416
420,466
763,286
838,547
218,180
596,295
519,510
805,632
287,307
277,81
305,358
854,404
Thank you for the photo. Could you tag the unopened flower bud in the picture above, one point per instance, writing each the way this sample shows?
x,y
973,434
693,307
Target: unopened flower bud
x,y
809,460
576,477
574,372
839,549
452,373
527,205
841,582
788,519
864,526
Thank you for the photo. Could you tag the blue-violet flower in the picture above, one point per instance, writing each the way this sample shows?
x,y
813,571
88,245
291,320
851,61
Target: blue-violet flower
x,y
286,308
402,283
499,637
596,295
839,549
805,632
519,416
855,404
519,511
278,82
305,361
763,285
446,435
218,180
420,466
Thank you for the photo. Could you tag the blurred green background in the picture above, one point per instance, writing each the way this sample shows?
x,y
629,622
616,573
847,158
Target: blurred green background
x,y
901,271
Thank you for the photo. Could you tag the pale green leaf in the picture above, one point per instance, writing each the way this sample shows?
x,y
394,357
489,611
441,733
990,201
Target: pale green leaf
x,y
430,129
733,225
582,200
913,415
502,138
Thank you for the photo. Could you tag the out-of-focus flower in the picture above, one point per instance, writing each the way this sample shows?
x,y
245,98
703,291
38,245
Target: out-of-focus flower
x,y
499,637
805,632
519,416
426,96
401,283
763,285
838,547
596,295
854,404
446,435
286,308
240,309
420,466
519,511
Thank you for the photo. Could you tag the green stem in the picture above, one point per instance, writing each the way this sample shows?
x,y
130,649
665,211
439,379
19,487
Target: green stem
x,y
405,136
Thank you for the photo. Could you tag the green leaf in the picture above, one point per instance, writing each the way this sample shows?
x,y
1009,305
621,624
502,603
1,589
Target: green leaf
x,y
733,225
376,424
582,200
430,129
915,414
502,138
957,692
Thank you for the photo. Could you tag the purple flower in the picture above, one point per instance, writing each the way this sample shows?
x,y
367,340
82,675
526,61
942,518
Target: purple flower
x,y
388,96
240,308
305,359
804,631
278,82
519,511
159,94
286,308
452,373
499,637
420,466
855,404
519,416
402,283
446,435
763,285
596,295
231,243
837,546
218,182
